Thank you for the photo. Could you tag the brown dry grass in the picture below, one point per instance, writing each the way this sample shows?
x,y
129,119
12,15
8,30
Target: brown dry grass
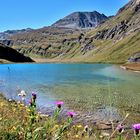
x,y
132,66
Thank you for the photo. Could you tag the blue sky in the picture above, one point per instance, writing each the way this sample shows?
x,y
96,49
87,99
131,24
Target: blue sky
x,y
19,14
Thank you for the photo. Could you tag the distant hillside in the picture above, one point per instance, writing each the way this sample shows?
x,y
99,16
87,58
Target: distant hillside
x,y
47,42
81,20
114,41
8,33
9,54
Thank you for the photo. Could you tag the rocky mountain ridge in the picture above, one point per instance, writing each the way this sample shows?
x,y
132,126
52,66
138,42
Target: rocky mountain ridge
x,y
81,20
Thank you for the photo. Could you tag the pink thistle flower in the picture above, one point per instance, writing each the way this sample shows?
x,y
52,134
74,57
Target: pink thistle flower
x,y
59,104
71,114
34,95
120,128
136,128
30,101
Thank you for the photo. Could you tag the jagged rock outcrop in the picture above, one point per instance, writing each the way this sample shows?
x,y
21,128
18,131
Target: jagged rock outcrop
x,y
129,24
87,45
81,20
135,58
119,30
7,42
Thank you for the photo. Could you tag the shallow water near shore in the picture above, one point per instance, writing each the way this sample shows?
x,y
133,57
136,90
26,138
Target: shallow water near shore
x,y
97,92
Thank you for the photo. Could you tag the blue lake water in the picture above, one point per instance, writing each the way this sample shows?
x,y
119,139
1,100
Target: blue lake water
x,y
83,87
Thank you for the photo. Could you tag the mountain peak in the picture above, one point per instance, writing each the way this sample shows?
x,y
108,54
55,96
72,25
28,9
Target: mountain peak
x,y
81,20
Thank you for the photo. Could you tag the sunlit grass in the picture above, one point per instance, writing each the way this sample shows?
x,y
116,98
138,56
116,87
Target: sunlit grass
x,y
21,122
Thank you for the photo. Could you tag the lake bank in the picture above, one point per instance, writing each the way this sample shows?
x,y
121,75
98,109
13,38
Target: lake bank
x,y
79,118
3,61
15,115
127,66
132,66
15,120
84,118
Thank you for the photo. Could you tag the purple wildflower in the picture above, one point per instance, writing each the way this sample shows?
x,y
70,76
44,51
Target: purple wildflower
x,y
30,102
136,128
34,95
59,104
71,114
120,128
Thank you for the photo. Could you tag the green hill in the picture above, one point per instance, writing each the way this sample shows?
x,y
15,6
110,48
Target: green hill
x,y
8,54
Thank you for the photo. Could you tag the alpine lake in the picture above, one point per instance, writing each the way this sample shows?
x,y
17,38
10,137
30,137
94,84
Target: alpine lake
x,y
96,92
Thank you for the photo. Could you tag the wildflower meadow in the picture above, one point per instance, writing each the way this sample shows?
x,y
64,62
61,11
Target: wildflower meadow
x,y
19,121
